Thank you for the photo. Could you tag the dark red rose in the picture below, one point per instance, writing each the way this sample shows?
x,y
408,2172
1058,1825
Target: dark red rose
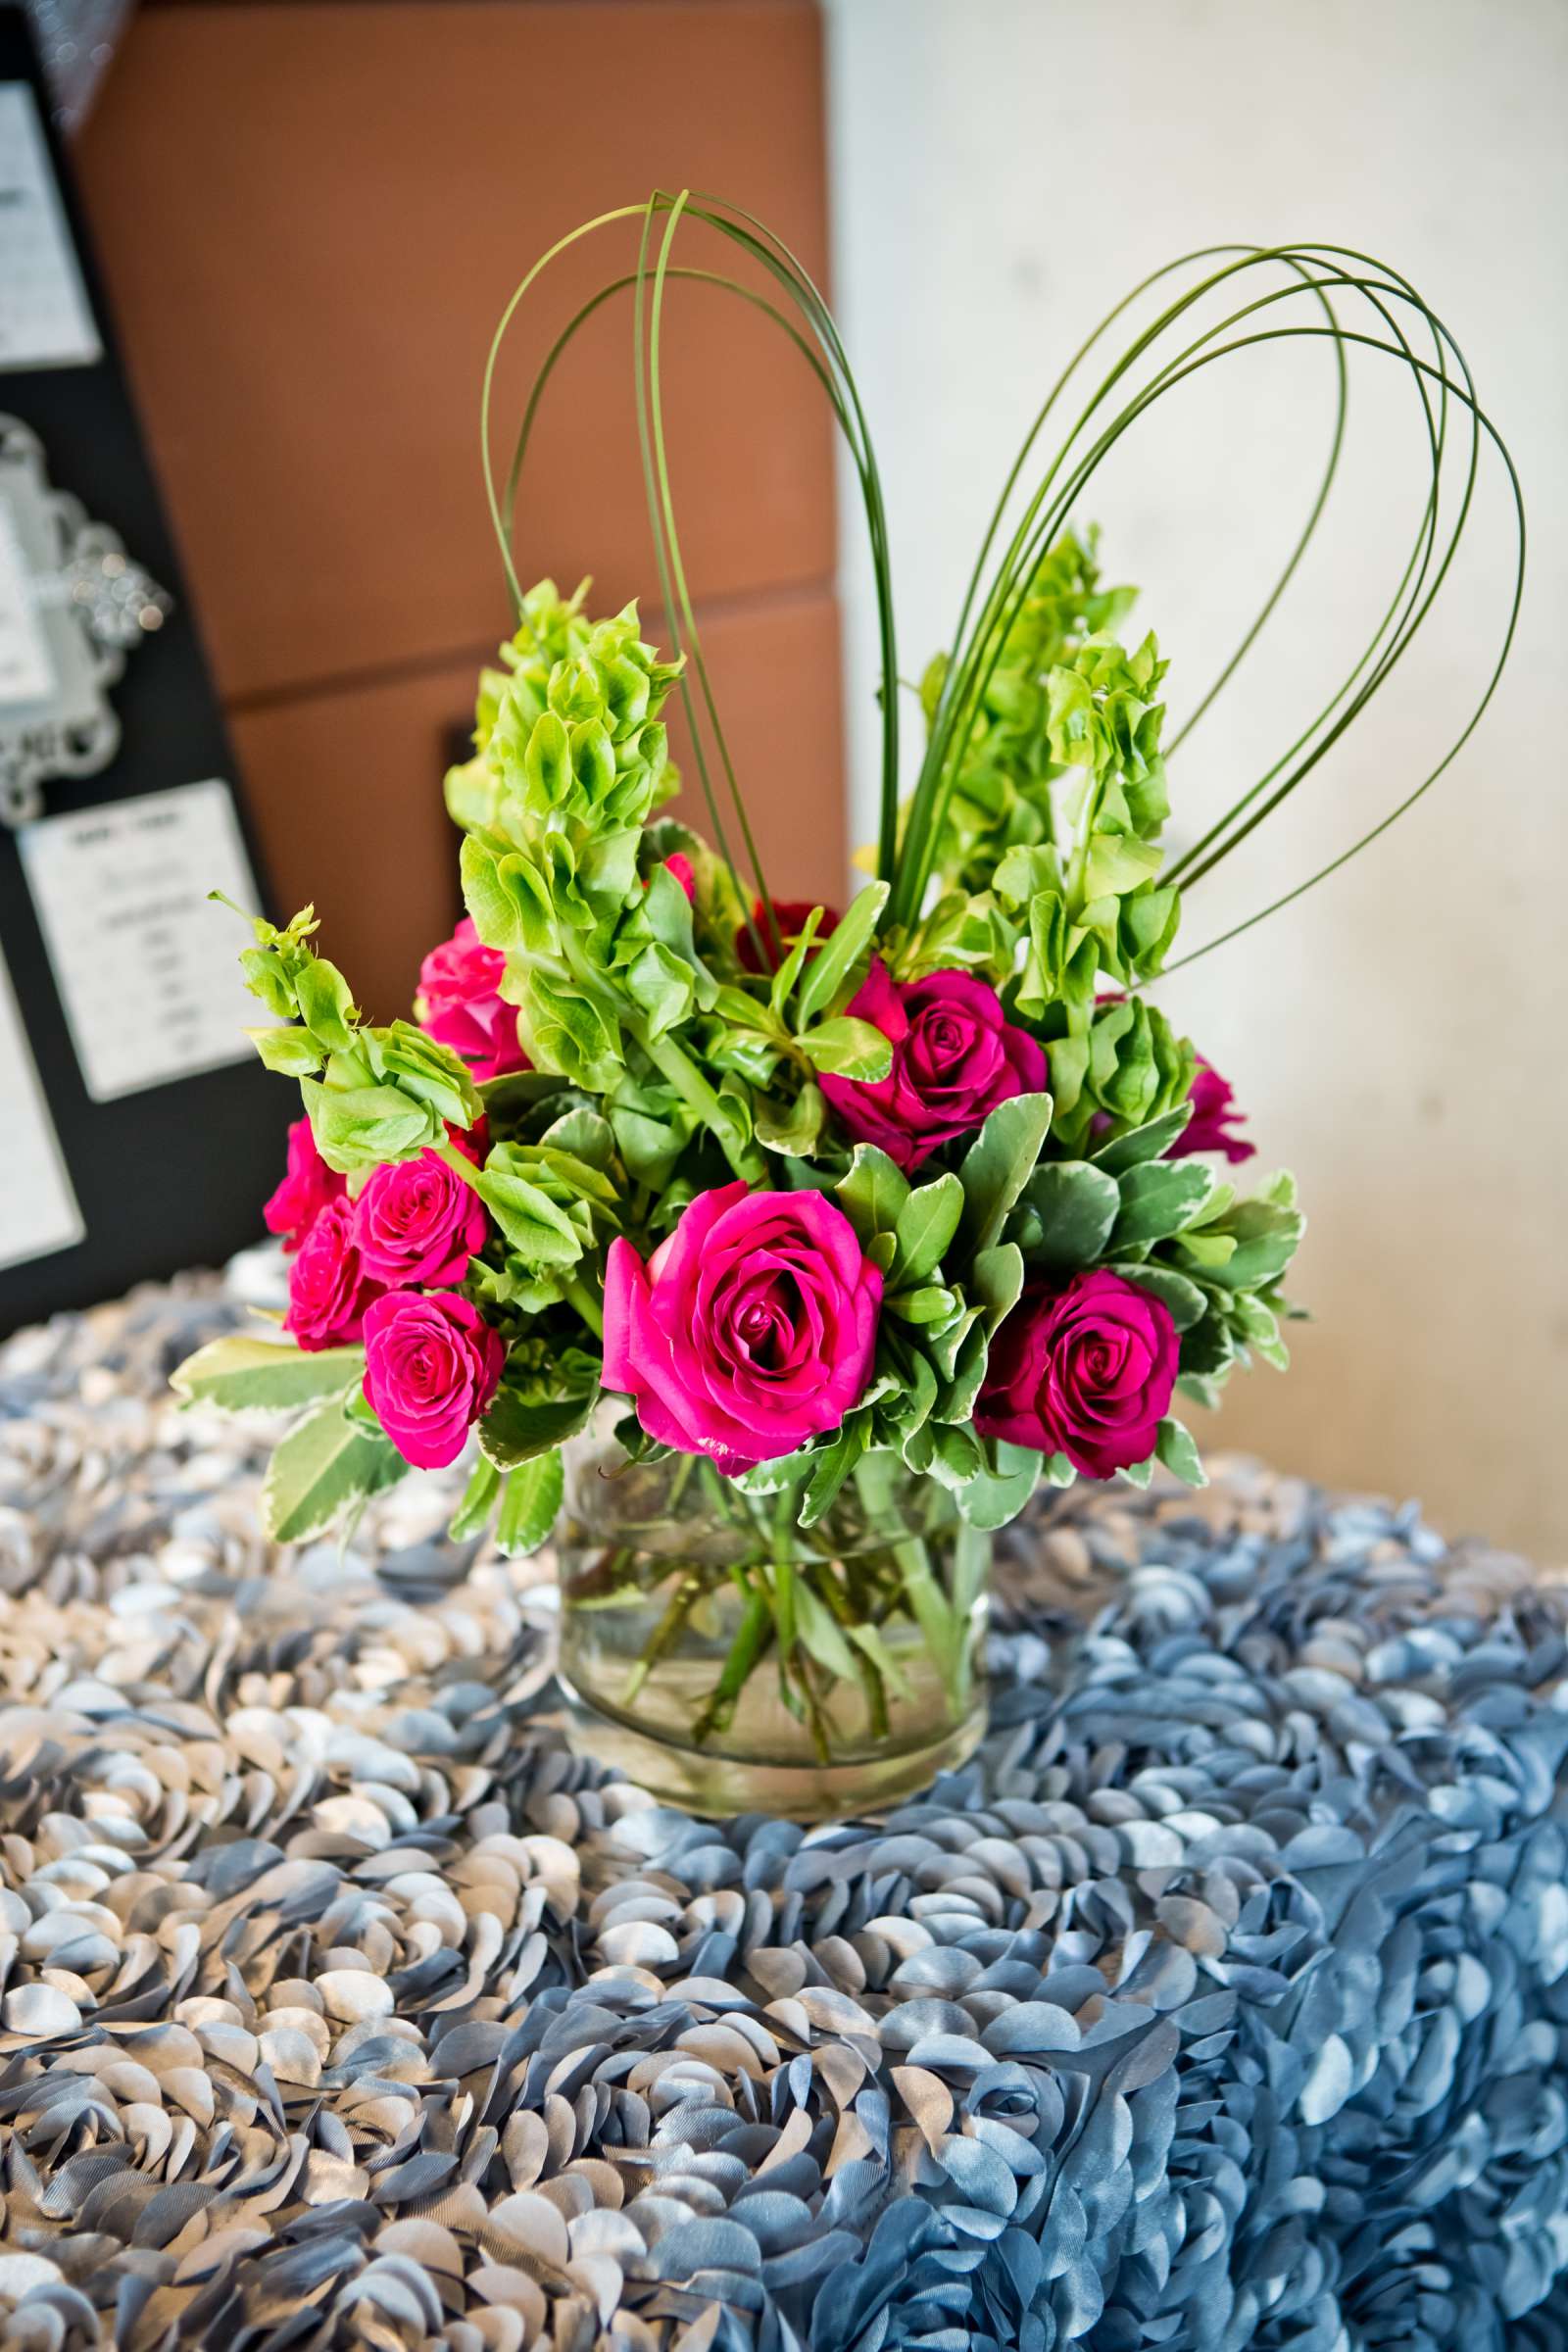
x,y
1214,1115
472,1142
955,1056
789,921
1086,1370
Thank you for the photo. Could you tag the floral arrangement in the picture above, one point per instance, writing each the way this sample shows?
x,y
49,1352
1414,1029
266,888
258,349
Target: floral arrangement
x,y
798,1186
928,1186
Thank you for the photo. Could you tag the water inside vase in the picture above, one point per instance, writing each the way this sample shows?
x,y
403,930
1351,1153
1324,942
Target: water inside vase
x,y
704,1622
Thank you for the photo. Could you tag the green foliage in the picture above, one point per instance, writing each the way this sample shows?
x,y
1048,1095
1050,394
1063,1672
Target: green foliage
x,y
926,1224
842,1048
1072,1209
832,972
575,760
970,933
1116,1067
1175,1448
327,1466
529,1497
665,1063
995,1167
873,1194
1149,1141
548,1203
519,1428
372,1093
797,1132
245,1375
1158,1197
530,1504
474,1513
999,796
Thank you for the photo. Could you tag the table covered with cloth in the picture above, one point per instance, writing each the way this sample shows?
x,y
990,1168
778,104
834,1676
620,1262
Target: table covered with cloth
x,y
1222,2001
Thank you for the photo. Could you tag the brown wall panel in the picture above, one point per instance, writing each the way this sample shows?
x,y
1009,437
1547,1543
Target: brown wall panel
x,y
386,890
310,217
776,678
346,785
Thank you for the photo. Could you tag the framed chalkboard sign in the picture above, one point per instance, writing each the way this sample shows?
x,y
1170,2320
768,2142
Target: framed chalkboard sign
x,y
138,1134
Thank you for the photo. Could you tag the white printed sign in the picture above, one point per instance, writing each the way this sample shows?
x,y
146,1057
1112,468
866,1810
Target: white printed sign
x,y
39,1212
45,320
147,969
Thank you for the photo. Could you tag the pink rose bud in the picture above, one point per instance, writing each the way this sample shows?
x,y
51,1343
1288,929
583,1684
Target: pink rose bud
x,y
431,1366
680,865
1086,1370
417,1221
750,1330
460,1003
954,1058
306,1187
1214,1115
329,1290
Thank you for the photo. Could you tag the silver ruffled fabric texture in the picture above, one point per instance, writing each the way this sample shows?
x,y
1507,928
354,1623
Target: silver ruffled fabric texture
x,y
1222,2003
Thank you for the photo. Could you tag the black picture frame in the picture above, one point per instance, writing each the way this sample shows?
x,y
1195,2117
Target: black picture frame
x,y
174,1175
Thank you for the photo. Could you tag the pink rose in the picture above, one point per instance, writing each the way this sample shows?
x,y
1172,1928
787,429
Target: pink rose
x,y
1086,1370
328,1289
789,921
460,1003
1214,1113
750,1330
304,1190
679,865
431,1366
417,1222
954,1059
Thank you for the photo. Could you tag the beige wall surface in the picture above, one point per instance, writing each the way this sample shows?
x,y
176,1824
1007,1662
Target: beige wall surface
x,y
1004,171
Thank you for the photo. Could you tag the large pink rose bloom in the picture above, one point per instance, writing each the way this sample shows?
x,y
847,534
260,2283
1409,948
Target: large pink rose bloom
x,y
1086,1370
431,1366
954,1058
749,1330
306,1187
460,1003
417,1222
328,1289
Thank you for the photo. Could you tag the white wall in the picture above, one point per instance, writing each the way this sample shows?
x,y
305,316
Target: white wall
x,y
1004,171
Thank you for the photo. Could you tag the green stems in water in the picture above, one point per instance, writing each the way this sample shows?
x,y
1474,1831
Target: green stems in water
x,y
756,1623
867,1625
688,1591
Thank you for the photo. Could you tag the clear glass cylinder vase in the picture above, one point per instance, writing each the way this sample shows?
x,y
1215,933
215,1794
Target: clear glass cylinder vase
x,y
733,1662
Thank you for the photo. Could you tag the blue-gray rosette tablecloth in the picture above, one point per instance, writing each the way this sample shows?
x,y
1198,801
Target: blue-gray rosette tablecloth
x,y
1222,2002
